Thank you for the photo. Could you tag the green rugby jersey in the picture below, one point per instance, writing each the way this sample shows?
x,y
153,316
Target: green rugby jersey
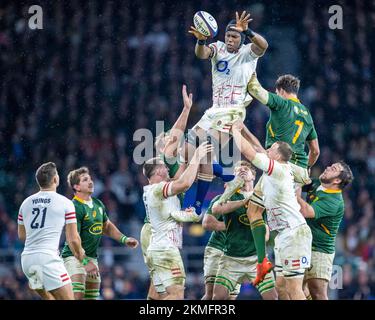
x,y
329,211
291,122
217,238
239,240
173,166
90,221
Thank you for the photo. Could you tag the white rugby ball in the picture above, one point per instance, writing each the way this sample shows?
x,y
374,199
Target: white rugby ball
x,y
205,24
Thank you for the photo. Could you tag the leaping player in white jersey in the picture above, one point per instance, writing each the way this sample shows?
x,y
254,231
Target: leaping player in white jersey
x,y
233,63
294,238
163,209
41,219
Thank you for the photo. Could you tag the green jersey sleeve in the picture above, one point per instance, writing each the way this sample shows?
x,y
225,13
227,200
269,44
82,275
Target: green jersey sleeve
x,y
324,208
209,210
312,135
105,215
276,102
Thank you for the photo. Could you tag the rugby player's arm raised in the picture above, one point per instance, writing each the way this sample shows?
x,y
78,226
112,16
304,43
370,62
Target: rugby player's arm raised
x,y
257,91
228,207
210,223
259,44
202,51
179,126
185,181
314,151
245,146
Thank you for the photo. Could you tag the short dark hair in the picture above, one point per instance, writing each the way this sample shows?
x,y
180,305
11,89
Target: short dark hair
x,y
150,166
288,83
246,164
285,150
45,173
74,176
346,175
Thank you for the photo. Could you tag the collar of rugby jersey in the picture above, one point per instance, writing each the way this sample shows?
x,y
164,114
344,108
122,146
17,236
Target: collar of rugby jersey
x,y
326,190
294,99
89,203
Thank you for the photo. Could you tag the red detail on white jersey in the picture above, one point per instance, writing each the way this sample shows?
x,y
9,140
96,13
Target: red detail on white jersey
x,y
270,167
165,190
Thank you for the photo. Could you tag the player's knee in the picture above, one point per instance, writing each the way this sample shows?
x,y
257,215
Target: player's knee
x,y
220,293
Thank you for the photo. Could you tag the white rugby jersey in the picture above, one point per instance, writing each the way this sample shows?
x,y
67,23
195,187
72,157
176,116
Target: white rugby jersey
x,y
44,215
166,232
231,73
280,200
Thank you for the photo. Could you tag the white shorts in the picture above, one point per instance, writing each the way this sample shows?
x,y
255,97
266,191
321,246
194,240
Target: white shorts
x,y
44,271
293,251
166,268
221,119
74,266
321,266
211,261
233,271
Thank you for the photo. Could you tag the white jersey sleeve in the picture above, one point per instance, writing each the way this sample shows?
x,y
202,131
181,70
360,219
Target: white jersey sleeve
x,y
269,166
20,216
162,190
213,47
70,212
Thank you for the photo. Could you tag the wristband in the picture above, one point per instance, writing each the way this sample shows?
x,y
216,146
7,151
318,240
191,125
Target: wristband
x,y
123,239
249,33
201,42
85,261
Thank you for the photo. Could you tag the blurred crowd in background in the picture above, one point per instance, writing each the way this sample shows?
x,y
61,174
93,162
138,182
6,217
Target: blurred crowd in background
x,y
76,91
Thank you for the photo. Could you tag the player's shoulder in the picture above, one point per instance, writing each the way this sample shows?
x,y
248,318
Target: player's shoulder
x,y
98,202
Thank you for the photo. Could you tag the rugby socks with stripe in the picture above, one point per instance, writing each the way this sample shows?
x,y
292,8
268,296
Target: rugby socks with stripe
x,y
78,287
218,172
91,294
258,228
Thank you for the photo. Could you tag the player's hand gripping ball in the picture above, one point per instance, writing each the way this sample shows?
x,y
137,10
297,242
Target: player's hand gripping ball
x,y
205,24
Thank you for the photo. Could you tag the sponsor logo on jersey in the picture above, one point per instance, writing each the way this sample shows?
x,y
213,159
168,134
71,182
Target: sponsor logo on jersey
x,y
86,217
96,228
244,219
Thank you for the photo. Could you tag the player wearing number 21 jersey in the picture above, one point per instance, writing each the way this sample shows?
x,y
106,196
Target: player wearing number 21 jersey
x,y
41,220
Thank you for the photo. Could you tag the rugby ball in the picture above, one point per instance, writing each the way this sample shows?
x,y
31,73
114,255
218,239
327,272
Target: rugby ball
x,y
205,24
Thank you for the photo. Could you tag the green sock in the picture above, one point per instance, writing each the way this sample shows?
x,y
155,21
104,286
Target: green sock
x,y
258,228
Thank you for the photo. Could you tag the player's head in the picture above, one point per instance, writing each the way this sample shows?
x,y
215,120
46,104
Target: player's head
x,y
337,174
46,176
233,38
245,170
280,151
155,167
80,181
287,85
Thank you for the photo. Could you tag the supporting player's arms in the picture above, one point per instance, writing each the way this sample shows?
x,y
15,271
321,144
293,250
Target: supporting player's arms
x,y
110,230
228,207
201,50
179,127
187,215
253,140
245,147
74,241
22,232
306,210
259,44
185,181
314,151
256,90
210,223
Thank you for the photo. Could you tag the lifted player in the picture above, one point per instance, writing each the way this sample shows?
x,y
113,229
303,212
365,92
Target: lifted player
x,y
233,62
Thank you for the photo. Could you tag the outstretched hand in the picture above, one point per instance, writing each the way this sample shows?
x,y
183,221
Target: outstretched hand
x,y
188,99
242,22
131,242
197,34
